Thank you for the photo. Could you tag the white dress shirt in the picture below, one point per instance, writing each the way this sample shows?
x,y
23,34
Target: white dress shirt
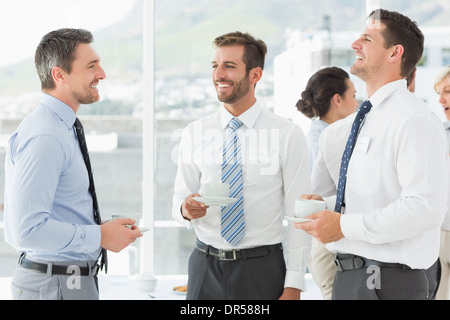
x,y
275,171
446,223
447,130
396,191
331,145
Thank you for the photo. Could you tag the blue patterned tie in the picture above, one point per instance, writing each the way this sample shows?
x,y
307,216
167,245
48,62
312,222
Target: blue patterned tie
x,y
232,220
363,110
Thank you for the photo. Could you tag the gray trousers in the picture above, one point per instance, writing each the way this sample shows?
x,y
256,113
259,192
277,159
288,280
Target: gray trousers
x,y
385,283
32,285
260,278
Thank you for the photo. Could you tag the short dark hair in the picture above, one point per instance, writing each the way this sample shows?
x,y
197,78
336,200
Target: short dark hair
x,y
321,87
255,50
57,49
401,30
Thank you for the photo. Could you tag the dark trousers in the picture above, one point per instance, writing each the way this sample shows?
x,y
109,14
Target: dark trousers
x,y
247,278
387,283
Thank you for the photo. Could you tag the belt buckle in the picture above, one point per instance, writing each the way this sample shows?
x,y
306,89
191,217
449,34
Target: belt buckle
x,y
223,255
337,263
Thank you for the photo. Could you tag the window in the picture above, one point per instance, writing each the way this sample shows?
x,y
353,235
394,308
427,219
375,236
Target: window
x,y
424,60
113,125
157,58
340,57
445,56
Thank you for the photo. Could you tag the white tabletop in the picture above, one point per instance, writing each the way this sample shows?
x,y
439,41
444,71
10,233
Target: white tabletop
x,y
127,288
123,288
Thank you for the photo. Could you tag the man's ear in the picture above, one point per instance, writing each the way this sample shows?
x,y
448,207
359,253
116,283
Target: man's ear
x,y
256,75
58,75
396,53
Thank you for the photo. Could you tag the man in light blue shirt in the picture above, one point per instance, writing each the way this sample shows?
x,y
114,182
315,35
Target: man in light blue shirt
x,y
49,214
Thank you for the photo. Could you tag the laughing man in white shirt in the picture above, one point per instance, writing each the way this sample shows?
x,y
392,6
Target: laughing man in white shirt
x,y
275,171
387,240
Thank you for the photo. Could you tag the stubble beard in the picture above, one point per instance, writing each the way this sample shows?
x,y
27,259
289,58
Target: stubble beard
x,y
241,88
87,98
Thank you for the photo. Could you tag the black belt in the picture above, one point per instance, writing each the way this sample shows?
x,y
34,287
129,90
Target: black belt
x,y
232,255
56,269
346,262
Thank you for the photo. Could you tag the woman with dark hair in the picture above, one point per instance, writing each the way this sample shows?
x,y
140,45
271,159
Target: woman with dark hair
x,y
328,97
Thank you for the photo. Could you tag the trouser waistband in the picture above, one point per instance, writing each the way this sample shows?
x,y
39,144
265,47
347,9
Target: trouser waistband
x,y
60,268
346,262
232,255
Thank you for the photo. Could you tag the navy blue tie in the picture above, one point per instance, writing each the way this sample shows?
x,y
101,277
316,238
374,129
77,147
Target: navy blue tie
x,y
84,151
363,110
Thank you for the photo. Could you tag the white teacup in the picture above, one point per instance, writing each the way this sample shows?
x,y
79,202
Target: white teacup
x,y
306,207
215,189
146,282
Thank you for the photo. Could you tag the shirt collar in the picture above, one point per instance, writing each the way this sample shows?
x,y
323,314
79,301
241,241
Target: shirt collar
x,y
62,110
248,118
318,125
386,90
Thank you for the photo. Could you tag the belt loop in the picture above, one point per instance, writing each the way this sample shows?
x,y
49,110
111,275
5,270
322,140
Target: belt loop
x,y
358,262
22,256
244,256
49,269
93,271
337,263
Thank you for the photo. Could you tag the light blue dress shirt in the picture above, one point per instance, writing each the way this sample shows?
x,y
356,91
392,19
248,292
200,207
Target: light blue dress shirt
x,y
48,208
317,126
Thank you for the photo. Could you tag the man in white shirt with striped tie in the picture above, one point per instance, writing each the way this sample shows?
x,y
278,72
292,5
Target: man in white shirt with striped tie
x,y
386,235
243,260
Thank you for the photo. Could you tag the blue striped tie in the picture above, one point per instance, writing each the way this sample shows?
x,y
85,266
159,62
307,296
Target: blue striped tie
x,y
232,221
363,110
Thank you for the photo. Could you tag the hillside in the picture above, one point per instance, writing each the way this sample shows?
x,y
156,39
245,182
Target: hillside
x,y
185,30
189,28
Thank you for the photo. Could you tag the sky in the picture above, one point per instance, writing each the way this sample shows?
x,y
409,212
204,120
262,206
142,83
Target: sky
x,y
24,22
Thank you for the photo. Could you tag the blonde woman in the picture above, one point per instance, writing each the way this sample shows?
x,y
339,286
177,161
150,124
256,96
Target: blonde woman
x,y
442,87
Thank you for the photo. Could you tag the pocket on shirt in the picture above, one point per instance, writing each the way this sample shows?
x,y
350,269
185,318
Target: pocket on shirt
x,y
262,167
364,174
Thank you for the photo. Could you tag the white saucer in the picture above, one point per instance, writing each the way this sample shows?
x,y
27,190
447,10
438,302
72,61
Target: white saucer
x,y
296,220
144,229
215,201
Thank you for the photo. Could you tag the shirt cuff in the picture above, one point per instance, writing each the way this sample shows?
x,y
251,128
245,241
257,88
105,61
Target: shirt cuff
x,y
295,279
352,226
178,216
330,202
90,237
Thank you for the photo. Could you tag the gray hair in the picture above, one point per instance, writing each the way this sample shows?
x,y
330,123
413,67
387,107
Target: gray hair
x,y
57,49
